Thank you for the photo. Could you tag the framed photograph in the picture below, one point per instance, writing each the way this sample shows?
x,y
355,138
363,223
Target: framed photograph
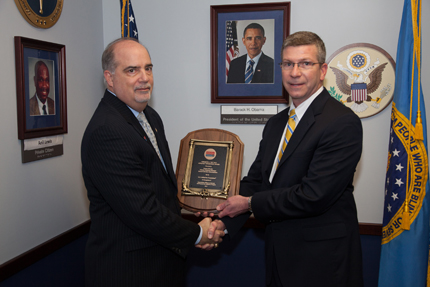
x,y
40,88
246,42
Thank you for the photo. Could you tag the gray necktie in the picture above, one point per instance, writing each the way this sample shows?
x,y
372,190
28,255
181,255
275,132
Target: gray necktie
x,y
148,130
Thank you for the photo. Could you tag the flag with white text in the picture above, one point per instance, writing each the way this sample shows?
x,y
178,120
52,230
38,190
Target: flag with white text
x,y
128,22
405,231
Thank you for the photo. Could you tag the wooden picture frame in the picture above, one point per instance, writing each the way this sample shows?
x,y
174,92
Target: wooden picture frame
x,y
34,120
228,23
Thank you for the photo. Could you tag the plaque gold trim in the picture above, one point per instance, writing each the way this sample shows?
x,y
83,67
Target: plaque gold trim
x,y
208,192
39,17
204,182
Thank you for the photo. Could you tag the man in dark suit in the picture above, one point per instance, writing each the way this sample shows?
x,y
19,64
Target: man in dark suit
x,y
40,103
303,192
255,66
137,235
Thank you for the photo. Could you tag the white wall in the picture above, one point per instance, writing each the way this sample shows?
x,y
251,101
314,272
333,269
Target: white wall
x,y
42,199
177,34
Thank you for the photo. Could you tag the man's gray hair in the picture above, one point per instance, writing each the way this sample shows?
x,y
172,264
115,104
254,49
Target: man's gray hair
x,y
108,57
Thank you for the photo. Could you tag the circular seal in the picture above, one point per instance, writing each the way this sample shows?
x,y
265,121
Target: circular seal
x,y
210,154
362,77
42,13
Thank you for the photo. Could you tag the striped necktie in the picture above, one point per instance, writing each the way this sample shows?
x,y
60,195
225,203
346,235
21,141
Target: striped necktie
x,y
291,126
249,72
148,130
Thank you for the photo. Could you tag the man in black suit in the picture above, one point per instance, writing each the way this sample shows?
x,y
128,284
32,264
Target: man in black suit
x,y
137,235
303,192
255,66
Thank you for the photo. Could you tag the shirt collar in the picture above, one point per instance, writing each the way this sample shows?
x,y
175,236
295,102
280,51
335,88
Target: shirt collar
x,y
302,108
255,59
135,113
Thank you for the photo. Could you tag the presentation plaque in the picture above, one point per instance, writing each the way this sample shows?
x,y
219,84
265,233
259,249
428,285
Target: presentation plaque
x,y
209,169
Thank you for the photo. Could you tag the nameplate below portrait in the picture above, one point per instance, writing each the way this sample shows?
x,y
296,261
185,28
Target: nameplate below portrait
x,y
41,148
256,115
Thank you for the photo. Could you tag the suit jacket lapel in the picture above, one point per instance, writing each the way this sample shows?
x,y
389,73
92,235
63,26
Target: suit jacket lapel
x,y
131,119
305,123
275,134
124,111
161,146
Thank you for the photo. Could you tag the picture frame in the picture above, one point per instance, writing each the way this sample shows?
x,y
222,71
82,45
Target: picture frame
x,y
41,88
228,25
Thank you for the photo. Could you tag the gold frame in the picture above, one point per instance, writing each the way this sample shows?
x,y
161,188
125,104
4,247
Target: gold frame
x,y
202,192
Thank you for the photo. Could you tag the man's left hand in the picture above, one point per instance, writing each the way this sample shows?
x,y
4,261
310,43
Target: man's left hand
x,y
233,206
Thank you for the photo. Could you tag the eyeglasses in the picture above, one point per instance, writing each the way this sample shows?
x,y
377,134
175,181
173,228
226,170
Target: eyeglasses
x,y
305,65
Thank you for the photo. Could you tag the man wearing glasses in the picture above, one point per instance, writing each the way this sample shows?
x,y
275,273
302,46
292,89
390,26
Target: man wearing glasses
x,y
301,182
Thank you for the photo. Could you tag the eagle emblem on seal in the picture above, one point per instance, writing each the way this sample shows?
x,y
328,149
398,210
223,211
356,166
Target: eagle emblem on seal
x,y
366,78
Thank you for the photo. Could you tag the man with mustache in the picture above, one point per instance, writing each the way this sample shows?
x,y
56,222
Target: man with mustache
x,y
255,66
137,235
40,103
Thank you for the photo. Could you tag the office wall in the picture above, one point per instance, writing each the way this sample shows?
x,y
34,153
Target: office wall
x,y
177,34
42,199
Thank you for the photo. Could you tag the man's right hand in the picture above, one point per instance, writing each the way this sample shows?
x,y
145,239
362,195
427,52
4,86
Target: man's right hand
x,y
211,233
214,233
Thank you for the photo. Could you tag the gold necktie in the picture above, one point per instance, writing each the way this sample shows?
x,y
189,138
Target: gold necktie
x,y
291,126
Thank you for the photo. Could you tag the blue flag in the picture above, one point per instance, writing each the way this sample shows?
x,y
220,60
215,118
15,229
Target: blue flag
x,y
128,22
405,231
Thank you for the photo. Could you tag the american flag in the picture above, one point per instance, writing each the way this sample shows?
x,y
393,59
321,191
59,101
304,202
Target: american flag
x,y
359,92
232,49
128,22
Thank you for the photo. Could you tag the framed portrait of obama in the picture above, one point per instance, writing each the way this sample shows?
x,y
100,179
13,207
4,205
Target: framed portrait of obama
x,y
246,42
41,88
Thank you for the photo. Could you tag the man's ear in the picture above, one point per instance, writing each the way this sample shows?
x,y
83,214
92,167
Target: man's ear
x,y
109,78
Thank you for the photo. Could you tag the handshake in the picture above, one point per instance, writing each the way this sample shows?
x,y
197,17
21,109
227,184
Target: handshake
x,y
214,230
212,233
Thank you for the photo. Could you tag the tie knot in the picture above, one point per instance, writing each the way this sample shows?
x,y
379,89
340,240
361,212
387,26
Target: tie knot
x,y
142,120
292,113
251,63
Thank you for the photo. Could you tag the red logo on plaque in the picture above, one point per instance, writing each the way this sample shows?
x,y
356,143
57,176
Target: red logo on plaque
x,y
210,154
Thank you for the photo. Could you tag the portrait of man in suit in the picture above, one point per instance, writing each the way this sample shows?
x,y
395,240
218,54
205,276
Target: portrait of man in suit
x,y
255,66
41,104
300,184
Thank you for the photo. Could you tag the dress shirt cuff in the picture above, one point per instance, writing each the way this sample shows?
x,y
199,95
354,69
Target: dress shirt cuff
x,y
200,236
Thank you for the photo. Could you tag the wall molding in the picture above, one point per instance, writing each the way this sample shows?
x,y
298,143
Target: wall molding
x,y
35,254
